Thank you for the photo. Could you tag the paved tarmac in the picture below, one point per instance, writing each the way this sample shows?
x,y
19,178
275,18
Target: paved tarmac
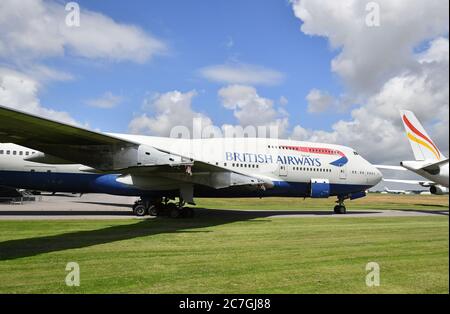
x,y
100,206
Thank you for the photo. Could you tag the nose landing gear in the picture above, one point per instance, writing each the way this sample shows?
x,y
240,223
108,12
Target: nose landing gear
x,y
340,207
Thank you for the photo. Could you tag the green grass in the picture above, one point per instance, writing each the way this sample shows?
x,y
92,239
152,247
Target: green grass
x,y
219,253
371,201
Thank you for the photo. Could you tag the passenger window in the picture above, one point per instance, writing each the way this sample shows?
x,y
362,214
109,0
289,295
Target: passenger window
x,y
26,153
1,152
20,153
14,152
7,152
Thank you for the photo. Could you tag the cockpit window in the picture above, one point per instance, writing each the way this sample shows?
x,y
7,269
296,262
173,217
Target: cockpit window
x,y
355,153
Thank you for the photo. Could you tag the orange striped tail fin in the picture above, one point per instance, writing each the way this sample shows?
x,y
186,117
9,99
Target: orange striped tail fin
x,y
421,143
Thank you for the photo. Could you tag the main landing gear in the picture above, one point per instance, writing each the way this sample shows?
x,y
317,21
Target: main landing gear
x,y
162,207
340,207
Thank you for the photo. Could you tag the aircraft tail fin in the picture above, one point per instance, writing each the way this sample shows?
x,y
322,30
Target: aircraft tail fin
x,y
422,145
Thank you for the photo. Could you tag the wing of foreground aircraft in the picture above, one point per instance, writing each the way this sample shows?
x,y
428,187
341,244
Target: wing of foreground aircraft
x,y
105,153
70,143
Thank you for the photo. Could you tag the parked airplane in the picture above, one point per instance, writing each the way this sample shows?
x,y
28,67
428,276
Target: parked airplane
x,y
429,162
389,191
58,157
434,188
406,192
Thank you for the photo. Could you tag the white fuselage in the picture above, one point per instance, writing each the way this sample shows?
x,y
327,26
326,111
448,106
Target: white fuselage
x,y
268,159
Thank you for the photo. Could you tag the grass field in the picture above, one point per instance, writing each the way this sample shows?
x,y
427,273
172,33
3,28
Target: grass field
x,y
371,201
220,253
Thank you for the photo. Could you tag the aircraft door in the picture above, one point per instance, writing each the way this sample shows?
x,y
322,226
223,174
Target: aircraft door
x,y
282,170
343,173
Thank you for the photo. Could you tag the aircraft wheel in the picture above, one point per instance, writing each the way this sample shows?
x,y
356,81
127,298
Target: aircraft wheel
x,y
153,210
140,210
340,209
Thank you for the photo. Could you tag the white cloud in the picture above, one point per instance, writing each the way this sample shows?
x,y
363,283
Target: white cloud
x,y
34,30
319,101
383,73
106,101
436,52
43,73
20,92
39,31
239,73
250,109
368,56
171,109
375,128
283,101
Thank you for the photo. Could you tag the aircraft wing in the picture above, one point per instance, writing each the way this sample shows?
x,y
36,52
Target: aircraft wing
x,y
33,131
104,153
399,168
416,182
67,142
435,165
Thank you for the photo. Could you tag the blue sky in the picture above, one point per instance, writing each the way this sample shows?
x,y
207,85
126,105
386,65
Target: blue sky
x,y
264,33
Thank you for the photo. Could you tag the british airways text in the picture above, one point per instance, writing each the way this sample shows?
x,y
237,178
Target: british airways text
x,y
269,159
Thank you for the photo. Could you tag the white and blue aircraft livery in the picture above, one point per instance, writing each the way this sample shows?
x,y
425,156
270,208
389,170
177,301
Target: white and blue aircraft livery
x,y
52,156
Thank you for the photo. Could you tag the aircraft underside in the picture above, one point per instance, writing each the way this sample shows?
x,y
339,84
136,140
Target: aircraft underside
x,y
95,183
91,183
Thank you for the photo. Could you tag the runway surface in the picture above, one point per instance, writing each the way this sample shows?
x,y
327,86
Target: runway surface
x,y
100,206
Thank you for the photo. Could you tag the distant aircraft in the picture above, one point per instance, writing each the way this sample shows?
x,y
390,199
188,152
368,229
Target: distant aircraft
x,y
429,162
389,191
58,157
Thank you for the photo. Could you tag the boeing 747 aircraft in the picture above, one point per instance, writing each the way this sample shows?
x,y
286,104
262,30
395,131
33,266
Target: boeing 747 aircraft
x,y
52,156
